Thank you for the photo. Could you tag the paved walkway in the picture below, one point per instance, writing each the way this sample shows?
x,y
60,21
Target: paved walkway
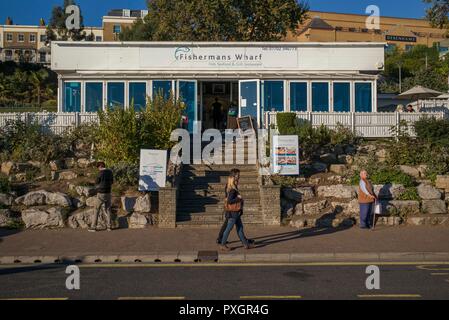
x,y
270,240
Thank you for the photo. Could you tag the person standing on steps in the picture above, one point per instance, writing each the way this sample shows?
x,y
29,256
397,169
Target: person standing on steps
x,y
217,114
367,198
104,197
234,210
233,173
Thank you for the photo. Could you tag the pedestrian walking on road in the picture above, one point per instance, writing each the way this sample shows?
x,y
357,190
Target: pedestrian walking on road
x,y
236,174
104,197
367,198
234,210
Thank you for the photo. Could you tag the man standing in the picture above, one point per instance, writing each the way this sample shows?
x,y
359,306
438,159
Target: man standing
x,y
104,198
367,198
216,113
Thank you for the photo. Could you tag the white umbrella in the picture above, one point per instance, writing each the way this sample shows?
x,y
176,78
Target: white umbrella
x,y
419,92
444,96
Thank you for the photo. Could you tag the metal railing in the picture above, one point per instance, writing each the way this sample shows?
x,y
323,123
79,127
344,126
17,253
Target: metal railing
x,y
368,125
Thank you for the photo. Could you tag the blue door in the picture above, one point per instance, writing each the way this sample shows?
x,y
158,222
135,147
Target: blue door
x,y
187,93
250,99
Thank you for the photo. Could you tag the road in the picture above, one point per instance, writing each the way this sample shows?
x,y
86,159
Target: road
x,y
226,282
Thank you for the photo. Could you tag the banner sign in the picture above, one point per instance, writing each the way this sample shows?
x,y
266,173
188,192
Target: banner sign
x,y
153,169
285,155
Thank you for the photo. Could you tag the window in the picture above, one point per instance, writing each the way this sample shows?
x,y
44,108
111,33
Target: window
x,y
9,37
72,97
116,94
409,47
98,38
42,57
138,95
117,28
338,28
162,87
8,55
391,47
274,96
32,38
320,97
363,97
21,37
43,38
342,97
94,96
298,96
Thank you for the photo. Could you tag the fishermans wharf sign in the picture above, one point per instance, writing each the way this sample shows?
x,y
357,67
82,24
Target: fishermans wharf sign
x,y
235,57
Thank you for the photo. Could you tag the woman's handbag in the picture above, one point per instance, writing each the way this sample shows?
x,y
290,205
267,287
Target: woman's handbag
x,y
235,207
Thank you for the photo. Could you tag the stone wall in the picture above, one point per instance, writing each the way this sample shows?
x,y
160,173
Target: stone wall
x,y
270,198
167,207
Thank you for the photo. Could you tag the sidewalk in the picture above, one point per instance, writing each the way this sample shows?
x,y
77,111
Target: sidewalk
x,y
273,244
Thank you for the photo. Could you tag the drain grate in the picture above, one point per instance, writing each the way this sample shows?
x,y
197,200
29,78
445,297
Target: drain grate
x,y
207,256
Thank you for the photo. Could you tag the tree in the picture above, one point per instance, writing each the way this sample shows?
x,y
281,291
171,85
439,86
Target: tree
x,y
438,13
57,29
218,20
38,80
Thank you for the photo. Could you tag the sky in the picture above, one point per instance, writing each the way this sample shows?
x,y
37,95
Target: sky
x,y
28,12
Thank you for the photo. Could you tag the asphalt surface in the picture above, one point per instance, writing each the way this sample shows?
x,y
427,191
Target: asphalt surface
x,y
227,282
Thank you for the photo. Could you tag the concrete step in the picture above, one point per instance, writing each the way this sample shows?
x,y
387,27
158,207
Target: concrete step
x,y
201,173
201,201
220,167
192,185
219,195
218,179
186,210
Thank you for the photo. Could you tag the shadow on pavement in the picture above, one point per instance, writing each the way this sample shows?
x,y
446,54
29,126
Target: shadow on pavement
x,y
19,269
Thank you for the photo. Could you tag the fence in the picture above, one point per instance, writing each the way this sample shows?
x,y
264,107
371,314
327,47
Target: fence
x,y
53,122
369,125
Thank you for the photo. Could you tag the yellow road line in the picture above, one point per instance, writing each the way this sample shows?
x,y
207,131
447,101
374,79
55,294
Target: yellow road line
x,y
370,296
151,298
432,267
439,274
35,299
419,265
270,297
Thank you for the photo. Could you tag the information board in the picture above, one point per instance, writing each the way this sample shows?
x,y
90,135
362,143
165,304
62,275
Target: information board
x,y
285,155
153,169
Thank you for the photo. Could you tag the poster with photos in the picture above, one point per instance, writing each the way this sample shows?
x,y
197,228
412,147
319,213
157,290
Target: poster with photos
x,y
285,155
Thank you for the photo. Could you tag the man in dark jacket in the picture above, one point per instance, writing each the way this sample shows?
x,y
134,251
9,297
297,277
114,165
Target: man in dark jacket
x,y
104,198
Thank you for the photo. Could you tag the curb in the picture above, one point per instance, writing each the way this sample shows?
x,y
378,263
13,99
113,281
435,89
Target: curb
x,y
192,257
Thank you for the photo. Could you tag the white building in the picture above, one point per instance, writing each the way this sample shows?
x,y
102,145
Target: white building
x,y
259,77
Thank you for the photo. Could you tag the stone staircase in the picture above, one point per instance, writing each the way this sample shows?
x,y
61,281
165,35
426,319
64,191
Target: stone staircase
x,y
201,193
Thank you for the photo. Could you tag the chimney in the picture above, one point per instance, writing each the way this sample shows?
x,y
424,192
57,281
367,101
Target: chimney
x,y
9,21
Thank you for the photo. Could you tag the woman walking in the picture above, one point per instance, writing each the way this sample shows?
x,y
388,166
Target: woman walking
x,y
234,210
367,198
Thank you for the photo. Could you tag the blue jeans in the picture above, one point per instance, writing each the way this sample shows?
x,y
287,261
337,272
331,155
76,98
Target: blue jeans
x,y
366,215
239,226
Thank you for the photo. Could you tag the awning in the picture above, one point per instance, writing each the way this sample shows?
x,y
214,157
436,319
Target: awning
x,y
419,92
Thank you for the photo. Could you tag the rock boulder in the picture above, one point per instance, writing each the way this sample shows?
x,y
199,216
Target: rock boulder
x,y
43,219
336,191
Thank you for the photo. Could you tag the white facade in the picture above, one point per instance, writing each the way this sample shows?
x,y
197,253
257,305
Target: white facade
x,y
275,76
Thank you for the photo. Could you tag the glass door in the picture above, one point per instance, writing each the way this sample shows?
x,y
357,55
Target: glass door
x,y
249,104
188,93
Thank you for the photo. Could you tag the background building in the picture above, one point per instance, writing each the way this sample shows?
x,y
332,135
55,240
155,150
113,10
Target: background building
x,y
118,19
397,32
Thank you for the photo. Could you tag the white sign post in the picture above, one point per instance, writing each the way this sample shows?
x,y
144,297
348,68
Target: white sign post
x,y
153,170
285,155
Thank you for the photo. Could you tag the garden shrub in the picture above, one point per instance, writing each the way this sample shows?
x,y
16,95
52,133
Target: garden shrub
x,y
433,131
5,185
286,122
410,194
125,174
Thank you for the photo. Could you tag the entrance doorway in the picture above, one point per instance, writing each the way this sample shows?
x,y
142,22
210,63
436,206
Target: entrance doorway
x,y
217,97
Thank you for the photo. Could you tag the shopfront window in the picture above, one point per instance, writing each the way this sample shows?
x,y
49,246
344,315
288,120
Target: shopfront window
x,y
342,97
72,97
298,96
162,87
94,96
274,96
363,97
320,97
138,95
116,94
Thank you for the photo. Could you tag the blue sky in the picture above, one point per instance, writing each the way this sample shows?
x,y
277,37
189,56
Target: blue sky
x,y
29,11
